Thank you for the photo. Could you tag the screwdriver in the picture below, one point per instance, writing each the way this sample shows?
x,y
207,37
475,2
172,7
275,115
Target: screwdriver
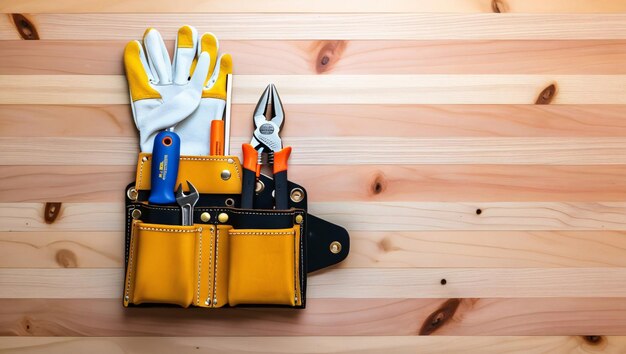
x,y
217,138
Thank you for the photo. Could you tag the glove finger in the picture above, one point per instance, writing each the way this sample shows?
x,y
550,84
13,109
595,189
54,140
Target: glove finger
x,y
201,71
209,44
185,52
138,73
158,58
216,87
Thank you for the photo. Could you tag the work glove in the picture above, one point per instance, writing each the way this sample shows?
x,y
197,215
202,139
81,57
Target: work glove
x,y
183,96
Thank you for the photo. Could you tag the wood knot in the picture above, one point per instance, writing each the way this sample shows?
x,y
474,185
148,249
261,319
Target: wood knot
x,y
27,325
25,27
66,259
593,340
379,184
51,212
386,244
499,6
440,317
547,95
328,55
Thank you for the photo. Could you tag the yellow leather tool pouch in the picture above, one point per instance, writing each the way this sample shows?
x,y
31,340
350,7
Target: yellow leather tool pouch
x,y
229,256
264,266
165,264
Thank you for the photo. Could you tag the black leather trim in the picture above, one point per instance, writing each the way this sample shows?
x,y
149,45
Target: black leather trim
x,y
262,200
320,235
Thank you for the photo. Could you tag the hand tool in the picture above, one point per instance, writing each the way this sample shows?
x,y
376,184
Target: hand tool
x,y
266,141
187,202
229,95
217,138
164,170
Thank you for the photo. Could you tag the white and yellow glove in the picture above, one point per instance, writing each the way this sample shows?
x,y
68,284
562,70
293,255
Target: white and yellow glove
x,y
183,96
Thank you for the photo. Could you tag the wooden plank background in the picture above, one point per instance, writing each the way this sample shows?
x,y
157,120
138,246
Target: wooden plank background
x,y
475,149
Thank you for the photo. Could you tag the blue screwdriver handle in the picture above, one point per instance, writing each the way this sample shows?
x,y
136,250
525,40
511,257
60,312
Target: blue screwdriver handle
x,y
164,172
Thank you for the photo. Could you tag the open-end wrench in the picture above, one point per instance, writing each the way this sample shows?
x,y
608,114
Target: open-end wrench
x,y
187,202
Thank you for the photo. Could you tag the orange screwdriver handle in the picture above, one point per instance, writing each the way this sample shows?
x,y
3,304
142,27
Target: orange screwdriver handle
x,y
217,138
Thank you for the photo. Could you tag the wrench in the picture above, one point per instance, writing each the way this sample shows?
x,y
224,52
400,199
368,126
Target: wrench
x,y
187,202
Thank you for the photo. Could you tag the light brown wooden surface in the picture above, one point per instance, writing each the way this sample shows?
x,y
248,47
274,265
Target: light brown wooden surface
x,y
474,213
331,26
372,345
245,6
352,283
344,57
338,89
332,317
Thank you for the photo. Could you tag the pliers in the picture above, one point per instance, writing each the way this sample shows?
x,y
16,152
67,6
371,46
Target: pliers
x,y
266,146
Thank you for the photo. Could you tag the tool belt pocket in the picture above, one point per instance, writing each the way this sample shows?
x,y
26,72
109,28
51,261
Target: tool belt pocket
x,y
265,266
164,264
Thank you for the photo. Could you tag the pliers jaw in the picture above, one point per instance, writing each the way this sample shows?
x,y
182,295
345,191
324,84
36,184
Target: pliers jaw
x,y
266,138
277,115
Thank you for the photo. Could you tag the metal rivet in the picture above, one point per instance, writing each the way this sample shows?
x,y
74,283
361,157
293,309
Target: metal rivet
x,y
299,219
144,159
126,298
225,175
207,302
132,194
335,247
297,194
223,217
229,202
230,160
260,186
205,217
136,214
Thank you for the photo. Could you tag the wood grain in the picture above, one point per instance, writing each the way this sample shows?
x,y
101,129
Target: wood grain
x,y
331,120
350,26
64,183
363,216
316,344
342,151
61,249
352,283
332,183
333,317
338,89
340,57
362,6
409,249
489,249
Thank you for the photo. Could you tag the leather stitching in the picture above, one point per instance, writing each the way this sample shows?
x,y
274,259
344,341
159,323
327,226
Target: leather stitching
x,y
167,230
217,244
199,270
130,264
211,264
261,233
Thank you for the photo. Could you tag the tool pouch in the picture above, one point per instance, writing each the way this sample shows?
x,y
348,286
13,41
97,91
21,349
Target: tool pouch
x,y
229,256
